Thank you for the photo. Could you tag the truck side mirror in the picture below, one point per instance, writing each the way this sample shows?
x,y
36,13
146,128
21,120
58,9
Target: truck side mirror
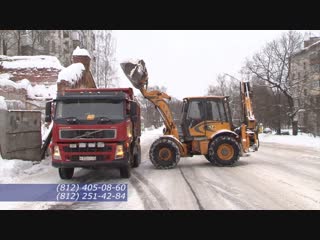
x,y
48,112
133,109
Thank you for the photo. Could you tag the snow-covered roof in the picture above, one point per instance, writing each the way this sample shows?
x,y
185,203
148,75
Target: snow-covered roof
x,y
72,73
80,52
18,62
316,43
3,104
306,48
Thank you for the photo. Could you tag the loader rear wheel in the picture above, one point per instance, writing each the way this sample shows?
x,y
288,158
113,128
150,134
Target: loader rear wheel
x,y
224,151
66,173
164,153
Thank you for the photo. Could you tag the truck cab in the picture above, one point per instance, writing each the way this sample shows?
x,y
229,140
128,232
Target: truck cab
x,y
95,128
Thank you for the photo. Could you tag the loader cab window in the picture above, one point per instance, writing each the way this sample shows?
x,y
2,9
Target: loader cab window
x,y
195,113
216,110
194,110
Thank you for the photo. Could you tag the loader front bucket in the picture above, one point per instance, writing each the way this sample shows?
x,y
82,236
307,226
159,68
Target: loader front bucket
x,y
136,72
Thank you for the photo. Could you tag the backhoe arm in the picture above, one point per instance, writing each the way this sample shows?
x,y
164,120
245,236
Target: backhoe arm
x,y
248,128
158,99
247,105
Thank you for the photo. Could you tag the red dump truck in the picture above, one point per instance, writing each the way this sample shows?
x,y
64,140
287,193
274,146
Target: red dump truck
x,y
95,128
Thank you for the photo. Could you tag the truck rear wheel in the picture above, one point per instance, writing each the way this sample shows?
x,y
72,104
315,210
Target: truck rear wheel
x,y
66,173
224,151
136,156
164,153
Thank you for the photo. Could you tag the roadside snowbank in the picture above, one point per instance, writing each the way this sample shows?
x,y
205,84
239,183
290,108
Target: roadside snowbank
x,y
299,140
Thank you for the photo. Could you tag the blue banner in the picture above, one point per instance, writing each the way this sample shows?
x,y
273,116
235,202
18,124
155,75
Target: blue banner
x,y
90,192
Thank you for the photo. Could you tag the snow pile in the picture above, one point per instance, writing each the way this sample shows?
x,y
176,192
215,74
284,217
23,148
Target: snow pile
x,y
42,91
3,104
45,130
299,140
152,133
6,82
17,62
12,169
80,52
37,91
71,73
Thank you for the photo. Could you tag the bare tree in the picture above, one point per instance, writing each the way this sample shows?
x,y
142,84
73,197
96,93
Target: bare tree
x,y
228,86
7,40
106,75
272,65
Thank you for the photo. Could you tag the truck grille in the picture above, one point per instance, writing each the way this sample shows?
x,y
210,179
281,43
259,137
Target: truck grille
x,y
88,149
88,134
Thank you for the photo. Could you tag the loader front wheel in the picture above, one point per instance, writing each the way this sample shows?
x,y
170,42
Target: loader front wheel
x,y
164,153
224,151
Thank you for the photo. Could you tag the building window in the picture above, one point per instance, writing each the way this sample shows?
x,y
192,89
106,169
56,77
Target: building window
x,y
65,34
53,46
23,32
305,92
41,39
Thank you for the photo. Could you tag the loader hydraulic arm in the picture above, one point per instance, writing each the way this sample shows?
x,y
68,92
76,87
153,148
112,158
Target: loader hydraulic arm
x,y
158,99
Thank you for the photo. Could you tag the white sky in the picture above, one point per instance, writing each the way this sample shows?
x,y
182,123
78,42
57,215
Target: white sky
x,y
187,61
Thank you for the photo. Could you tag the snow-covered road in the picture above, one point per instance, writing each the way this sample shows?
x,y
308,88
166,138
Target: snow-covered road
x,y
278,176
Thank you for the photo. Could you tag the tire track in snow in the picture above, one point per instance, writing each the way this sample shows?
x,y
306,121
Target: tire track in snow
x,y
139,182
192,190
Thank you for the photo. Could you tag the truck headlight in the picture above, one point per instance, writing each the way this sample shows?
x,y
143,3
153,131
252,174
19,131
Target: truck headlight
x,y
91,145
82,145
119,151
56,153
129,134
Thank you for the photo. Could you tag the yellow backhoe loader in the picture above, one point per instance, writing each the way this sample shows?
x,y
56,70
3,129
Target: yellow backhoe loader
x,y
206,125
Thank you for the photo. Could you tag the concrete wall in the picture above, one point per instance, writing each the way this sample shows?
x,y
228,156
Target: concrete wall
x,y
20,133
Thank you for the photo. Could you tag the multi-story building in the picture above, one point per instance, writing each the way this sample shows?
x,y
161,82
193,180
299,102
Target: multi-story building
x,y
305,84
59,43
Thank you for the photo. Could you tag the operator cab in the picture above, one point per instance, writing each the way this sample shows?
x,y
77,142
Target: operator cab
x,y
203,116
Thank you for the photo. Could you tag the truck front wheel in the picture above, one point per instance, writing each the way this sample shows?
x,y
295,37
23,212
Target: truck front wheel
x,y
66,173
125,172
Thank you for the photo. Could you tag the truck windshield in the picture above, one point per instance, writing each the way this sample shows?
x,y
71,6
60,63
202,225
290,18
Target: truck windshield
x,y
90,109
